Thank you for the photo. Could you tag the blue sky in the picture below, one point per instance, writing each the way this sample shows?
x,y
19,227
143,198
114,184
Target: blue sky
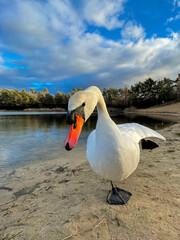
x,y
62,44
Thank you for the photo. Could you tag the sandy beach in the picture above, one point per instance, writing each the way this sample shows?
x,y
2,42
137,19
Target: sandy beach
x,y
64,199
173,108
166,109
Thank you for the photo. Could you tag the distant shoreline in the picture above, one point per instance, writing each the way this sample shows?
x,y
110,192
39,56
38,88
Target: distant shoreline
x,y
164,112
164,109
172,109
36,110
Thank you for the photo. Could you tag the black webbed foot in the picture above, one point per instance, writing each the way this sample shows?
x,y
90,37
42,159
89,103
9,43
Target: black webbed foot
x,y
118,196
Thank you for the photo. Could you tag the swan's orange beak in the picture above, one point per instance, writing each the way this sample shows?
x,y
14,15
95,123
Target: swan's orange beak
x,y
74,132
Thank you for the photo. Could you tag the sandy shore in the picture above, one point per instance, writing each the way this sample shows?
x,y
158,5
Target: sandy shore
x,y
64,199
173,108
167,111
164,109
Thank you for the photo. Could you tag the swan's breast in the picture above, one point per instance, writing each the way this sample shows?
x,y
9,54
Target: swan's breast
x,y
111,156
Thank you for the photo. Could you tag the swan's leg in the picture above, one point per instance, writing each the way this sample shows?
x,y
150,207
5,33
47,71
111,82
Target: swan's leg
x,y
118,196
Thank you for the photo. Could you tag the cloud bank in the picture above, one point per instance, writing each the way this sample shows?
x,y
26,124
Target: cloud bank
x,y
53,42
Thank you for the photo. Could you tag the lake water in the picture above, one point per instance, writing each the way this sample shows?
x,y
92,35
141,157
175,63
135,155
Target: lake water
x,y
36,136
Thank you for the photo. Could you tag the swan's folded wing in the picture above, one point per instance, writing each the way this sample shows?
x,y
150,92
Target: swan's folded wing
x,y
138,132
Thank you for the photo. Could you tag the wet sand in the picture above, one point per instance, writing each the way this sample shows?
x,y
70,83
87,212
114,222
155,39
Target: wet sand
x,y
64,199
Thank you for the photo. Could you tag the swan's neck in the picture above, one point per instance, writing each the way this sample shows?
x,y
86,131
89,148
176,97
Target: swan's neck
x,y
101,107
105,126
97,96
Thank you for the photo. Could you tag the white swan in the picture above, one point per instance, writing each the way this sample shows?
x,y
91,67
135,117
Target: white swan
x,y
113,151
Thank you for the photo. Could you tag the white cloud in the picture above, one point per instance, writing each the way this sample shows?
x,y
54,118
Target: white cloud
x,y
103,13
37,24
2,68
1,60
132,31
52,38
176,3
171,19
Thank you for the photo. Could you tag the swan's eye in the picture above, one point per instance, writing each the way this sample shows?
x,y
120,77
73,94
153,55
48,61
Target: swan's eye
x,y
83,104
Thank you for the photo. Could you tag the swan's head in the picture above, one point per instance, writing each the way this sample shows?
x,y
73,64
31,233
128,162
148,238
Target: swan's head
x,y
80,107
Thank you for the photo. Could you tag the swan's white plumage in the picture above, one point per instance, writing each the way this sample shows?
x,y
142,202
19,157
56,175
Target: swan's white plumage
x,y
112,150
138,132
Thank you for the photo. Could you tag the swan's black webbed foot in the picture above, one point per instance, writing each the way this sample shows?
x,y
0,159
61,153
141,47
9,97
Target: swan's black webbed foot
x,y
118,196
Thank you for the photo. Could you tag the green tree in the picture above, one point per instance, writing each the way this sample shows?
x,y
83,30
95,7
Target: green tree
x,y
59,99
40,99
32,91
177,87
48,101
6,100
74,90
165,90
124,97
45,91
111,96
144,93
16,99
25,99
33,100
79,89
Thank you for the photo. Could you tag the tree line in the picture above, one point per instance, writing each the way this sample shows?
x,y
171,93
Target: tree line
x,y
144,94
141,95
19,100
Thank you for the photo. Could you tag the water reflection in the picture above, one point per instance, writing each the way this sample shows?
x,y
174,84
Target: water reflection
x,y
37,136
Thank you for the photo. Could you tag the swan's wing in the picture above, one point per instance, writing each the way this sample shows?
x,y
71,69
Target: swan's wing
x,y
138,132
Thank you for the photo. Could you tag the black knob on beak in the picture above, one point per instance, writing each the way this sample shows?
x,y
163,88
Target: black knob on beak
x,y
70,117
